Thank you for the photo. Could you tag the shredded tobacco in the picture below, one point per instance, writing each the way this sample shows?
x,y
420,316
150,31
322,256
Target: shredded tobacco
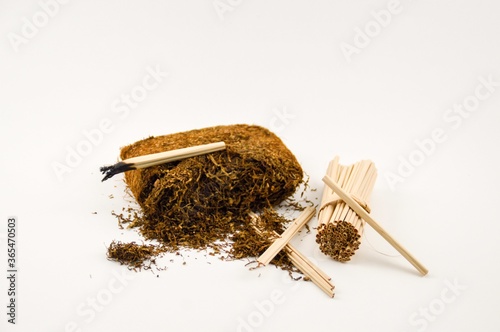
x,y
255,239
135,256
205,201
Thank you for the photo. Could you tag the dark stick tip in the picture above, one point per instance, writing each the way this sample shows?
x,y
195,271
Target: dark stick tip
x,y
110,171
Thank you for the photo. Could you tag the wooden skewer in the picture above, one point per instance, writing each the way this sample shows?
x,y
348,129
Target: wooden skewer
x,y
284,238
318,277
159,158
297,255
366,217
339,227
325,213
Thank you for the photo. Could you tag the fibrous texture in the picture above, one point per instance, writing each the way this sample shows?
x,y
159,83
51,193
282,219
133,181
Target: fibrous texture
x,y
200,200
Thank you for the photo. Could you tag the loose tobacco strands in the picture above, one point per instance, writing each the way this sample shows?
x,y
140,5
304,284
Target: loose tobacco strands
x,y
132,254
375,225
195,202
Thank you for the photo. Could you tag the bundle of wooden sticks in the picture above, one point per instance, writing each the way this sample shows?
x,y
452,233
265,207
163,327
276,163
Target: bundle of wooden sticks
x,y
339,227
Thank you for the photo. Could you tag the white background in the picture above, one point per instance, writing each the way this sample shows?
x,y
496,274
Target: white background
x,y
247,62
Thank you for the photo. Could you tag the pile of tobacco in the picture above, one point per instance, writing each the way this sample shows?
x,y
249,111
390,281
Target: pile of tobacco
x,y
205,201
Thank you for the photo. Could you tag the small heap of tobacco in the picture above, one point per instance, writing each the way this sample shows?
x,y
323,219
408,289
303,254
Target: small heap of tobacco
x,y
205,201
136,256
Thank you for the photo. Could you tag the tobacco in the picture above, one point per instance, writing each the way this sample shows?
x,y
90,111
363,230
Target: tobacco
x,y
205,201
135,256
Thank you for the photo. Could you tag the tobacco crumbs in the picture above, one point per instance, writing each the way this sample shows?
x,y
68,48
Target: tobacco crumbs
x,y
204,202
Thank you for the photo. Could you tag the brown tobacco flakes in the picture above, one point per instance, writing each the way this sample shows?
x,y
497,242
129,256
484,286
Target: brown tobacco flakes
x,y
204,202
132,217
135,256
247,243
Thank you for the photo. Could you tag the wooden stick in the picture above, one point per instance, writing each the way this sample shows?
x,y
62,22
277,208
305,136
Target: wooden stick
x,y
292,251
304,265
160,158
338,236
366,217
284,238
317,276
325,212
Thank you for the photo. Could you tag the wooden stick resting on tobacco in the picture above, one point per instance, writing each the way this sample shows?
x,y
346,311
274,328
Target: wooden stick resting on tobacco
x,y
366,217
159,158
317,276
284,238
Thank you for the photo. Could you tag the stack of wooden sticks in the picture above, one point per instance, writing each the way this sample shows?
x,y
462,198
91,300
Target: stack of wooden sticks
x,y
339,227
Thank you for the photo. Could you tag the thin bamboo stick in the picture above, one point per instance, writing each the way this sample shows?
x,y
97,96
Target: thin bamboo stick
x,y
323,214
305,268
339,235
366,217
155,159
284,238
317,276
